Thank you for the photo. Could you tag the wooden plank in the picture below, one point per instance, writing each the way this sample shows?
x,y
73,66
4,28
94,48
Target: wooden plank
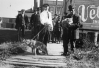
x,y
37,60
39,56
37,65
46,61
54,59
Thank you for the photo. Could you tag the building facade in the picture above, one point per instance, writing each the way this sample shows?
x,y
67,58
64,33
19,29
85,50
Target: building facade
x,y
8,22
56,7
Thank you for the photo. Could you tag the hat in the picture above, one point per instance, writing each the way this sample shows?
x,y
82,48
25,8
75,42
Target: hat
x,y
22,10
38,8
45,5
70,7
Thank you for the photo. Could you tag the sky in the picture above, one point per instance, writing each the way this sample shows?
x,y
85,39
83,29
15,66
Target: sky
x,y
10,8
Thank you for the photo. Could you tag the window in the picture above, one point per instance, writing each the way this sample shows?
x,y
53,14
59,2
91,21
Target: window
x,y
10,20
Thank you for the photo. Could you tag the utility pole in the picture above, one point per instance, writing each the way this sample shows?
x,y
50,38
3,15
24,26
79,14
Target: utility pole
x,y
41,3
56,7
35,4
64,5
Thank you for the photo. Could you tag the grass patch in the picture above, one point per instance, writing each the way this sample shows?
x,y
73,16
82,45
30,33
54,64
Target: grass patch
x,y
8,49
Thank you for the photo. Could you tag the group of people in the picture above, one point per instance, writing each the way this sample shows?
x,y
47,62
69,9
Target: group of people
x,y
40,24
43,29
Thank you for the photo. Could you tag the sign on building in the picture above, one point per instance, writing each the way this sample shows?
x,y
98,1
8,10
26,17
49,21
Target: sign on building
x,y
89,12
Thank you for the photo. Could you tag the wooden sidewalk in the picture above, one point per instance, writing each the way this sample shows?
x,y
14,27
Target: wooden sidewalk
x,y
53,60
38,61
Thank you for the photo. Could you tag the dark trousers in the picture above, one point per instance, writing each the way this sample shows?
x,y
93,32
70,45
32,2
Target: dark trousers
x,y
21,32
35,30
65,46
57,35
53,36
72,38
44,35
68,36
65,38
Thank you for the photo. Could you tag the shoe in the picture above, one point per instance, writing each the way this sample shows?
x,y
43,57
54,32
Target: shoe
x,y
53,41
65,54
77,58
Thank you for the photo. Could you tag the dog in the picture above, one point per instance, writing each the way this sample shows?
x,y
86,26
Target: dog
x,y
38,48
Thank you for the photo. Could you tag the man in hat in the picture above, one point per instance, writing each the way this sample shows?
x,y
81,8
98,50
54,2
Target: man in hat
x,y
21,21
72,22
35,22
46,21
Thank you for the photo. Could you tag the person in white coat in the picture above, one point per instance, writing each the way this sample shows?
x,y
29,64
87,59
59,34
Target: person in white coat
x,y
46,21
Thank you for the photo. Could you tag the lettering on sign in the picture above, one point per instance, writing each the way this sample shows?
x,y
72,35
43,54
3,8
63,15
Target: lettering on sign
x,y
90,12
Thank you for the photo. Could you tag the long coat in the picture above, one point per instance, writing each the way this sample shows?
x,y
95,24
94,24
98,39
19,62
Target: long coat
x,y
67,27
35,20
19,20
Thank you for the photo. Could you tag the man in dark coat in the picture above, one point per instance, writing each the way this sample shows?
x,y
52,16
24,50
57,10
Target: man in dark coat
x,y
35,22
70,24
21,21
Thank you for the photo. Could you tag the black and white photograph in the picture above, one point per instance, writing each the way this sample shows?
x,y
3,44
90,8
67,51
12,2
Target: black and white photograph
x,y
49,33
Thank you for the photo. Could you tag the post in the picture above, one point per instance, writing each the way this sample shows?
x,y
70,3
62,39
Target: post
x,y
56,8
35,4
95,38
64,6
41,3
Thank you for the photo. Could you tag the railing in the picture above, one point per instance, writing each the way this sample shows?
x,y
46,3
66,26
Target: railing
x,y
90,36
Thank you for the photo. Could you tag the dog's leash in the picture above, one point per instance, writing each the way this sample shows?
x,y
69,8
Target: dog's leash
x,y
39,32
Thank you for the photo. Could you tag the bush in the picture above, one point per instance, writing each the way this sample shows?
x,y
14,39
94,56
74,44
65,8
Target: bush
x,y
11,48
